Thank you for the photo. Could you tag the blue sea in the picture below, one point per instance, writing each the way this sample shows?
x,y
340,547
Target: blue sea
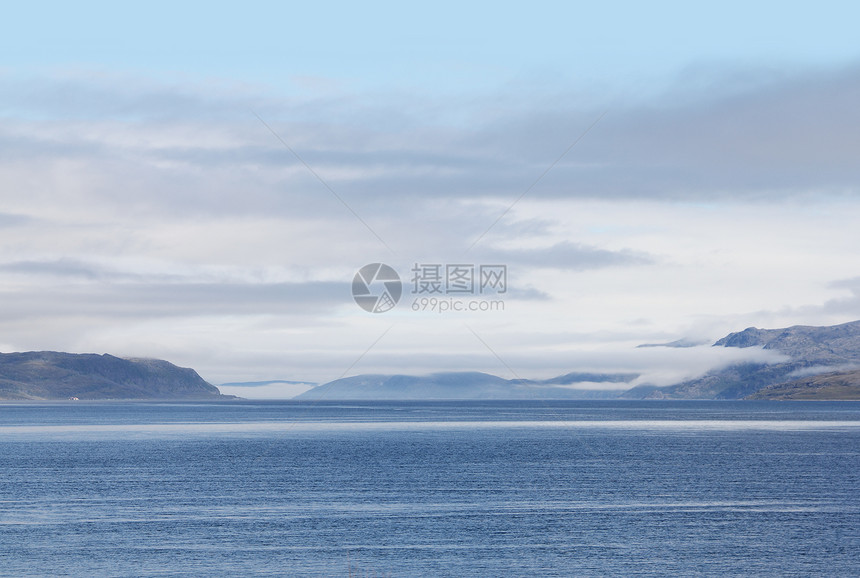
x,y
573,488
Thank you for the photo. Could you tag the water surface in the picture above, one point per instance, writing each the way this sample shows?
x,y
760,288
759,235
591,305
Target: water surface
x,y
434,488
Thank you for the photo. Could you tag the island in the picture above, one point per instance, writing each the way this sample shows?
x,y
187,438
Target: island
x,y
52,375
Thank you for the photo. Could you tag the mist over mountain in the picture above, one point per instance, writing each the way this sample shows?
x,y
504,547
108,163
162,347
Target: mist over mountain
x,y
821,363
266,389
472,385
55,375
445,385
811,351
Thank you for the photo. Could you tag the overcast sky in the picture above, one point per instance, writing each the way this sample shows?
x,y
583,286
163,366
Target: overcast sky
x,y
200,182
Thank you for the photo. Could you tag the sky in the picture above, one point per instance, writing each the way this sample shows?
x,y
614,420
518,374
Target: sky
x,y
201,182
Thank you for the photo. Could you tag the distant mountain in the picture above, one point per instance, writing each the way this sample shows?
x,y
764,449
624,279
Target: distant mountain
x,y
678,343
820,345
270,389
811,351
266,382
468,385
838,385
54,375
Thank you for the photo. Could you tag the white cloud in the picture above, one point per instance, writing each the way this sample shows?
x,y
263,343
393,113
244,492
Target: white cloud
x,y
166,220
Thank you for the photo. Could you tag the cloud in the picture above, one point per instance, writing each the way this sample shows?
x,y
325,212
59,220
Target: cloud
x,y
782,134
10,220
819,369
850,304
150,300
844,308
94,96
161,219
841,309
568,255
58,268
595,386
728,137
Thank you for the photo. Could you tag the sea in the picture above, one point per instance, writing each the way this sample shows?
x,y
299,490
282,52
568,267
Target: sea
x,y
524,488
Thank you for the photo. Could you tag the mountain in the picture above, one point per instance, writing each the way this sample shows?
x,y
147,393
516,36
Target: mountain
x,y
821,345
265,382
470,385
55,375
678,343
837,385
810,351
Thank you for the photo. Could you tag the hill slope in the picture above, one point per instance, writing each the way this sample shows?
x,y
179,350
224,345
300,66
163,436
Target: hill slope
x,y
844,385
54,375
812,351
